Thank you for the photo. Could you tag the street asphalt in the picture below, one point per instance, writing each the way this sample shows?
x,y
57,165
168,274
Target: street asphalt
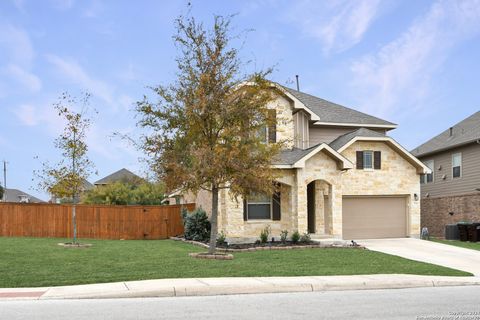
x,y
413,303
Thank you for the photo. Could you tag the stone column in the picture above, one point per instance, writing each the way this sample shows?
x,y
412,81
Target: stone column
x,y
319,207
301,203
336,205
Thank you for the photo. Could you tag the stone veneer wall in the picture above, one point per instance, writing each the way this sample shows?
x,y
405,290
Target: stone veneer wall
x,y
396,177
435,212
231,215
285,130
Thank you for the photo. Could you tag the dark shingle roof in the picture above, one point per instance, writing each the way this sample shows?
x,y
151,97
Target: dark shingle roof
x,y
344,139
87,185
14,195
290,156
120,175
335,113
466,131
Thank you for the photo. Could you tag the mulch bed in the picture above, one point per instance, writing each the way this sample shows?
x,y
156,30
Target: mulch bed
x,y
249,247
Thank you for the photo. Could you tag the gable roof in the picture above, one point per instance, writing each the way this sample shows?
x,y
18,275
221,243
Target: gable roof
x,y
14,195
464,132
332,113
295,158
120,175
344,139
87,185
343,142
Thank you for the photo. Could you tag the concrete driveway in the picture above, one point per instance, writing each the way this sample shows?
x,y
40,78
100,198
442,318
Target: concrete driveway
x,y
428,251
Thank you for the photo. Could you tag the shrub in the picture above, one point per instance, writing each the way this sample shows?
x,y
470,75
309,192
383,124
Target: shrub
x,y
305,238
283,236
264,234
221,239
196,225
295,236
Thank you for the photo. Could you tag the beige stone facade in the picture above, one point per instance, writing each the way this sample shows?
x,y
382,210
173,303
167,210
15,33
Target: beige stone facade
x,y
324,176
397,177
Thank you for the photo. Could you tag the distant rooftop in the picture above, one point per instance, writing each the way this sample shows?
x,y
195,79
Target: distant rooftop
x,y
464,132
120,175
15,195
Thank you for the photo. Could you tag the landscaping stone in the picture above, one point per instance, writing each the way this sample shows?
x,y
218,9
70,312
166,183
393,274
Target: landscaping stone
x,y
75,245
214,256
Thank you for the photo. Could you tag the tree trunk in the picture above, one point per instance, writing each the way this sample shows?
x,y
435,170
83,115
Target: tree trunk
x,y
213,221
74,221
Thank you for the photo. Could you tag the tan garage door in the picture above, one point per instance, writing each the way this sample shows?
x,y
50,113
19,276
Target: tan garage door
x,y
374,217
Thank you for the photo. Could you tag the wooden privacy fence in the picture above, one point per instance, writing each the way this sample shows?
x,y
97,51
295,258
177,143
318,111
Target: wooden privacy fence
x,y
93,221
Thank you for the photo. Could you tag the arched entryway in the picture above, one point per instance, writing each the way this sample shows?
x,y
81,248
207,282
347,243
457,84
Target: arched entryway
x,y
319,207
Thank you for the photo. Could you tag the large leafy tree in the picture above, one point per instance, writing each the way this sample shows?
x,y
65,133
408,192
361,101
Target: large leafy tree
x,y
65,179
203,131
122,193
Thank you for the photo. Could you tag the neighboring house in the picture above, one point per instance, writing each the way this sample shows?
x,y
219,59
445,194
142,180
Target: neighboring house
x,y
122,175
341,177
451,193
86,186
15,195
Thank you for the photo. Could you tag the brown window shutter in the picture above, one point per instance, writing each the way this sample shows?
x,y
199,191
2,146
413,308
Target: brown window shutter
x,y
245,215
272,126
377,160
359,159
276,206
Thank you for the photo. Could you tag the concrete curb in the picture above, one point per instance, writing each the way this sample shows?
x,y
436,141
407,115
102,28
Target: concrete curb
x,y
228,286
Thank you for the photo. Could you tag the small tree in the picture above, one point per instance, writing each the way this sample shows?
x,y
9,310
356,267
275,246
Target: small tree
x,y
65,179
205,130
1,192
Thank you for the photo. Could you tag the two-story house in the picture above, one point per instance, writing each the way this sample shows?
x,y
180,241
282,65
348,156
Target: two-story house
x,y
341,176
451,193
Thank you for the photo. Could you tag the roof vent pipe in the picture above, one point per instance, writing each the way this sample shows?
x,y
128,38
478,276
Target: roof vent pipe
x,y
451,131
298,84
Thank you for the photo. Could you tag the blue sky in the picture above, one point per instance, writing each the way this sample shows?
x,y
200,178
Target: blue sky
x,y
415,63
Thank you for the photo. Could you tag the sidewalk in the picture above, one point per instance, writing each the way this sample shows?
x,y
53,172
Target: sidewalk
x,y
226,286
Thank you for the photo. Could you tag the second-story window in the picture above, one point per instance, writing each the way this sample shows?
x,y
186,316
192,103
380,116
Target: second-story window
x,y
428,178
367,159
268,132
457,165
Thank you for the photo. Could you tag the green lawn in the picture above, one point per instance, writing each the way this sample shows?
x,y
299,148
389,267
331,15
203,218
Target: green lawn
x,y
458,243
29,262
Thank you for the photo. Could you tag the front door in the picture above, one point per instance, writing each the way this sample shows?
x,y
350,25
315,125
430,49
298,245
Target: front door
x,y
311,206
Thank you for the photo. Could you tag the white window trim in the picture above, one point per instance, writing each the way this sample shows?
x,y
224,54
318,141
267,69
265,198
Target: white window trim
x,y
271,210
433,171
461,164
372,155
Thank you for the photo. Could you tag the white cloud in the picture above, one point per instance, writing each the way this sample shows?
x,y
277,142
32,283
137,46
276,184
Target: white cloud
x,y
27,114
20,5
24,77
16,45
39,115
94,9
339,25
401,71
62,4
74,71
